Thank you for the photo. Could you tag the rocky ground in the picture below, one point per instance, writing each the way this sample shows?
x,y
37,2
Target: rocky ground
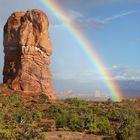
x,y
66,135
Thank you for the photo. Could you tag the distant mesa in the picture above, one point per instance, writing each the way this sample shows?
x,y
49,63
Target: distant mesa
x,y
27,50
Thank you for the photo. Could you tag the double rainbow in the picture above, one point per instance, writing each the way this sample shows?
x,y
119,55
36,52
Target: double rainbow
x,y
86,46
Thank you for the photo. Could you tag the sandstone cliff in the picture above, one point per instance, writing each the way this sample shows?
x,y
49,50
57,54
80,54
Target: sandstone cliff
x,y
27,49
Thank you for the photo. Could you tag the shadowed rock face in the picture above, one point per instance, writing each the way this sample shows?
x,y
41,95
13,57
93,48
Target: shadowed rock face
x,y
27,49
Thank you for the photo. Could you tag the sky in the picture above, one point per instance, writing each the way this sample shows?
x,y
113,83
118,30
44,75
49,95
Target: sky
x,y
112,27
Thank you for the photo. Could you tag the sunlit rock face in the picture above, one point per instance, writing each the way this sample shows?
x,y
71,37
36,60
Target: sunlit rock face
x,y
27,49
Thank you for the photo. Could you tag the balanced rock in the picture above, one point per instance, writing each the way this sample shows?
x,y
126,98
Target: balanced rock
x,y
27,49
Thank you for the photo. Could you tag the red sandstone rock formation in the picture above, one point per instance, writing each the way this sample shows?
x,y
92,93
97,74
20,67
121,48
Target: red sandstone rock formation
x,y
27,49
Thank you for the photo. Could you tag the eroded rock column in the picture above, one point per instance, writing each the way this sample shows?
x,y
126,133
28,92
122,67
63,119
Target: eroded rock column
x,y
27,49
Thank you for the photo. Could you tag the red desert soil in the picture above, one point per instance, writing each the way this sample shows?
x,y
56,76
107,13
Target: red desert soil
x,y
66,135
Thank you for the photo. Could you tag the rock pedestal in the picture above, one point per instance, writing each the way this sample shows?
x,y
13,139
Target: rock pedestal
x,y
27,49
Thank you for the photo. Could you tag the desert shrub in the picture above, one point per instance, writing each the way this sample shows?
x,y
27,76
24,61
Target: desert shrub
x,y
62,118
75,101
91,124
98,110
22,116
54,110
27,133
7,101
114,114
15,98
80,119
137,132
43,98
109,101
74,122
92,127
41,136
1,116
103,125
7,134
128,123
37,114
99,125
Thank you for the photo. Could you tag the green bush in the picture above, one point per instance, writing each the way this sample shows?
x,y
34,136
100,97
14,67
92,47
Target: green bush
x,y
22,116
7,101
103,125
109,101
75,102
127,125
92,127
37,114
1,116
7,134
114,114
80,119
74,122
62,119
43,98
14,99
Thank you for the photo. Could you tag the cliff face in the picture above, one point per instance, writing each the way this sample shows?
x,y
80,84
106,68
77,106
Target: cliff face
x,y
27,49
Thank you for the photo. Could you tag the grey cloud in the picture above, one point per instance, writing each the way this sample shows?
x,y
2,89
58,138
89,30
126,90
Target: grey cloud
x,y
125,72
119,72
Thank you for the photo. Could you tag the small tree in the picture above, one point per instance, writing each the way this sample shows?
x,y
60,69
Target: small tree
x,y
43,98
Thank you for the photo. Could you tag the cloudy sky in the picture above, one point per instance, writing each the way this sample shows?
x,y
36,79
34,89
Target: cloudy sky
x,y
112,26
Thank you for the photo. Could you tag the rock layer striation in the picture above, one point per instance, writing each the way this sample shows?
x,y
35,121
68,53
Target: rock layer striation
x,y
27,50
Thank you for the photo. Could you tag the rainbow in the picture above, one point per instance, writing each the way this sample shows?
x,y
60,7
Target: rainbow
x,y
86,46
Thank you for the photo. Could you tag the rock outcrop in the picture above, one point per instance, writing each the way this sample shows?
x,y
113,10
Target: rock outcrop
x,y
27,49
